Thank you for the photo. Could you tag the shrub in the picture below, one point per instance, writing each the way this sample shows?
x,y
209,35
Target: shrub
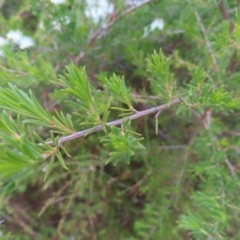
x,y
130,129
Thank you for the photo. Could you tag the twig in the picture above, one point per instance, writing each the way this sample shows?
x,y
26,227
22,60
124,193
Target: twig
x,y
24,215
114,179
173,147
185,159
115,123
137,184
103,28
66,210
25,227
174,197
231,167
55,196
100,32
208,44
225,15
160,133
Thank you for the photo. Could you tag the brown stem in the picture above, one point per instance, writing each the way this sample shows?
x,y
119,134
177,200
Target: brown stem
x,y
226,16
115,123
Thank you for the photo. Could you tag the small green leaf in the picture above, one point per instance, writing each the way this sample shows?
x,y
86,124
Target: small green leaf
x,y
61,160
49,168
156,125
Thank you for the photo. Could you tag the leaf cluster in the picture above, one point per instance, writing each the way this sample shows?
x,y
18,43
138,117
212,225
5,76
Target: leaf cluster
x,y
121,143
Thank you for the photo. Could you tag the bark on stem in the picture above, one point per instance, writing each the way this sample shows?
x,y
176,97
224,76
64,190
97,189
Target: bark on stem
x,y
116,122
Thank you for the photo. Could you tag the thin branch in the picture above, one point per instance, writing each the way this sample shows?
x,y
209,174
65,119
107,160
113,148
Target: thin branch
x,y
115,123
184,162
224,11
24,226
174,197
208,44
226,16
66,210
162,135
173,147
103,28
99,32
230,167
136,185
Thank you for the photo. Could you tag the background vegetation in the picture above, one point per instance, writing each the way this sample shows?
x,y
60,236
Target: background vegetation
x,y
172,173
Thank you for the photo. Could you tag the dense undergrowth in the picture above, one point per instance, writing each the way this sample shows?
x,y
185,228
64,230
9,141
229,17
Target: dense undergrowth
x,y
169,169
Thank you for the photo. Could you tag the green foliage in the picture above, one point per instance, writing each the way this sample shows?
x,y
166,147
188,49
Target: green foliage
x,y
30,72
205,225
78,86
122,142
119,90
82,149
17,101
163,83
